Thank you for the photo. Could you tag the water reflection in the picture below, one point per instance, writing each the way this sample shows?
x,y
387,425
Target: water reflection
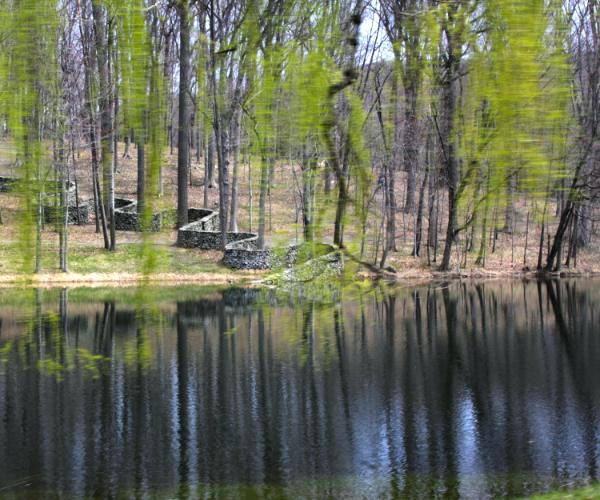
x,y
455,390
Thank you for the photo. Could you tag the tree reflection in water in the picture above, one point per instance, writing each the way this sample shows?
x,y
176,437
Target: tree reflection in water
x,y
453,390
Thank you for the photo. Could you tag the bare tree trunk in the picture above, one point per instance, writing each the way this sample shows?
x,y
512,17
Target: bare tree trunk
x,y
100,23
391,210
126,151
63,179
38,229
184,113
210,161
233,225
198,141
340,168
450,161
141,179
584,226
262,201
432,214
250,193
452,223
89,63
309,167
391,156
96,188
327,181
392,165
221,138
541,245
510,205
411,149
553,260
420,209
205,187
114,77
340,212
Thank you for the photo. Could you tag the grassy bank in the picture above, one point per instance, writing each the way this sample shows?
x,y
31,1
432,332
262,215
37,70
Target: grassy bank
x,y
91,264
590,492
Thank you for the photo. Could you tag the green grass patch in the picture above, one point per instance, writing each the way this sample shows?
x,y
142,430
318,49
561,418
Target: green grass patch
x,y
126,259
589,492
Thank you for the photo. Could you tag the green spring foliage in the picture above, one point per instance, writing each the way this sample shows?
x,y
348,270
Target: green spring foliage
x,y
28,75
511,122
514,119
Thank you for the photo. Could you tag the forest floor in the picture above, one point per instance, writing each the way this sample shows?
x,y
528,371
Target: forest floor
x,y
90,263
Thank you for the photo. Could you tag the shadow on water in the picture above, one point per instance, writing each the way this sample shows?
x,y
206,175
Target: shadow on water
x,y
448,390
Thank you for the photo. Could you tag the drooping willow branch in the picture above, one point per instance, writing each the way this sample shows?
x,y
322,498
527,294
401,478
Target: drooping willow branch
x,y
349,77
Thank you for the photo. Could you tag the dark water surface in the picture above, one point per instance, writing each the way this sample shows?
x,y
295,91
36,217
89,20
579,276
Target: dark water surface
x,y
459,390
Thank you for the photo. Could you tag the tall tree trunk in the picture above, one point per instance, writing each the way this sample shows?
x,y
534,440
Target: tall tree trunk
x,y
198,141
340,212
420,210
184,113
510,204
452,171
584,226
262,201
114,77
309,168
391,210
64,202
105,103
233,225
431,211
221,134
449,151
89,63
210,158
340,168
327,181
34,137
411,149
141,180
126,151
553,260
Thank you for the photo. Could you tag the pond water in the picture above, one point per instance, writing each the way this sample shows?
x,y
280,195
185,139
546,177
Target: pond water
x,y
448,390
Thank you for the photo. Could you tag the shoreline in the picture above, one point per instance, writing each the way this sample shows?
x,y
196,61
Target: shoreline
x,y
126,280
241,278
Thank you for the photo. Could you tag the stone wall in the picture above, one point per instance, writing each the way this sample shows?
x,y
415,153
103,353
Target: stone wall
x,y
78,213
209,218
241,251
6,184
194,235
75,214
127,218
203,232
49,188
235,258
